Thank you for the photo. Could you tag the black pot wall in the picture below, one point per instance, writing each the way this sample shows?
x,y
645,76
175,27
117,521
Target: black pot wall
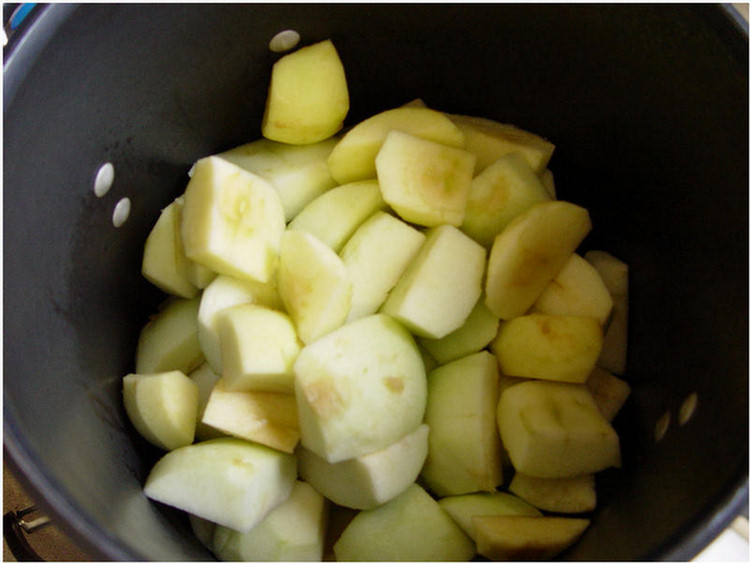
x,y
647,105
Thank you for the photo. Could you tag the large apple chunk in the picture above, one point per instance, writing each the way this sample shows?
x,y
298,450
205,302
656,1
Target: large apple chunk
x,y
359,389
463,508
464,453
314,285
426,183
228,481
163,407
368,480
411,527
308,98
531,251
438,291
232,220
555,430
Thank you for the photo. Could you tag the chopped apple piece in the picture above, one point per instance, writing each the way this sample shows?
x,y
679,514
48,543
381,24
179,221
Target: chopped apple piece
x,y
258,349
464,452
438,291
205,378
163,407
258,416
314,285
335,215
228,481
567,495
232,220
530,252
308,98
368,480
353,158
463,508
609,391
502,191
169,341
197,274
526,538
293,531
368,370
477,332
554,347
425,182
411,527
555,430
375,257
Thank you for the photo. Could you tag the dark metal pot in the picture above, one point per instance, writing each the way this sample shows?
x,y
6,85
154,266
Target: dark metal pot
x,y
647,105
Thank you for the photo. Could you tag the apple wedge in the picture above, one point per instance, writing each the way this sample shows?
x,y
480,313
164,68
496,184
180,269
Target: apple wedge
x,y
228,481
463,508
568,495
530,252
369,480
308,97
609,391
359,389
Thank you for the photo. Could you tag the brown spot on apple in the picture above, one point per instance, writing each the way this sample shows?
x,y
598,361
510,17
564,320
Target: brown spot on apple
x,y
324,398
394,384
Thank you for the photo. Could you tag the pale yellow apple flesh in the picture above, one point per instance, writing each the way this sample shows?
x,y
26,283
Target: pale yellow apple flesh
x,y
463,508
568,495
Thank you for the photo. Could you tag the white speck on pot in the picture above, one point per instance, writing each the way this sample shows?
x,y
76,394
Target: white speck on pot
x,y
121,212
687,408
284,41
105,176
661,426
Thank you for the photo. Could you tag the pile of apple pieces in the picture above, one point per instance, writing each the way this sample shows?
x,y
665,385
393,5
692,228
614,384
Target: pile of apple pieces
x,y
378,321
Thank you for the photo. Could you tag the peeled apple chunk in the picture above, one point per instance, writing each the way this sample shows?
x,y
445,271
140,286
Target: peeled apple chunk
x,y
609,391
530,252
368,480
169,341
567,495
359,389
308,98
228,481
464,453
314,285
293,531
353,158
463,508
425,182
526,538
554,347
163,407
197,274
442,285
411,527
555,430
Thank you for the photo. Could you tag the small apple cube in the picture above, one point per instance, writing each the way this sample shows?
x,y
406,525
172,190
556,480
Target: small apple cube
x,y
609,391
463,508
567,495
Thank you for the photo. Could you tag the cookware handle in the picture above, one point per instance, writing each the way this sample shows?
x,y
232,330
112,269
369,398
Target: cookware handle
x,y
14,16
15,528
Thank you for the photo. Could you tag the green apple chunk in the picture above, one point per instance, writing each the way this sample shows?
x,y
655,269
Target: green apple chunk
x,y
568,495
298,172
530,252
442,285
163,407
353,158
425,182
577,290
205,378
502,191
490,140
359,389
314,285
267,418
477,332
169,341
375,257
308,98
554,347
222,293
464,446
526,538
335,215
232,220
228,481
609,391
411,527
258,349
369,480
164,262
463,508
555,430
614,273
293,531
